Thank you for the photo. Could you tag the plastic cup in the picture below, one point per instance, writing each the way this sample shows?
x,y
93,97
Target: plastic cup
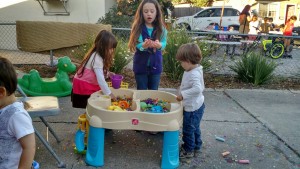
x,y
116,81
216,27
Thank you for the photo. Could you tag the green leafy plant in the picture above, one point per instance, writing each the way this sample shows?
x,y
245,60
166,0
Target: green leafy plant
x,y
254,69
206,50
122,57
175,39
200,3
171,66
81,50
117,18
121,15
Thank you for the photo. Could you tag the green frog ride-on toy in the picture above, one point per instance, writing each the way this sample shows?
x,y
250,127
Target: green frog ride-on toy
x,y
60,85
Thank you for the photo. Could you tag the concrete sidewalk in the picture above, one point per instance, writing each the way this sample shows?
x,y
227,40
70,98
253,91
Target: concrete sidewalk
x,y
259,125
285,67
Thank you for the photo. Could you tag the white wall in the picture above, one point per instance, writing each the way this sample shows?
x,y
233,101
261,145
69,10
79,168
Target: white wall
x,y
238,4
109,4
83,11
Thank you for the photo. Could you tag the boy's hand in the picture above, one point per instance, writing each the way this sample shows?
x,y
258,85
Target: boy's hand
x,y
179,98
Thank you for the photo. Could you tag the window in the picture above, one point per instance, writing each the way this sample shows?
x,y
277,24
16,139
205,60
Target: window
x,y
268,10
217,12
272,10
206,13
231,12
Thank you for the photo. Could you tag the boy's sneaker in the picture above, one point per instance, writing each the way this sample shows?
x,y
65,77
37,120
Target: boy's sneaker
x,y
184,154
197,152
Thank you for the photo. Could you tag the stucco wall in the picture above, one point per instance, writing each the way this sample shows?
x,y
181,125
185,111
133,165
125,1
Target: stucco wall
x,y
83,11
283,6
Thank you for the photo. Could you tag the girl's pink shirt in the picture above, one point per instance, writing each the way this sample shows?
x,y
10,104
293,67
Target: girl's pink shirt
x,y
85,84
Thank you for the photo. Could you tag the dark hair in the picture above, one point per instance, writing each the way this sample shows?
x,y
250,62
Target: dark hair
x,y
293,18
104,41
8,76
139,21
246,10
189,52
254,16
281,26
270,19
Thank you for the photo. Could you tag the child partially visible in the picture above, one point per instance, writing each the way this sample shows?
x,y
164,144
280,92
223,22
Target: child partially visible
x,y
191,93
148,38
17,138
272,25
288,31
265,27
253,27
281,27
90,76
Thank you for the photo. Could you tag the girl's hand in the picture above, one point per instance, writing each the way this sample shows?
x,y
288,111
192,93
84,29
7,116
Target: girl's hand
x,y
112,96
179,98
147,43
109,74
156,44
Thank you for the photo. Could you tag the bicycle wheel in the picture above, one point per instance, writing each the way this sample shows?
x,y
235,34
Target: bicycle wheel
x,y
277,50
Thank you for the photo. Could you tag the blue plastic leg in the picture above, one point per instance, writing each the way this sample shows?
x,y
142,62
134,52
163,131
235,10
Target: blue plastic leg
x,y
95,147
79,140
170,155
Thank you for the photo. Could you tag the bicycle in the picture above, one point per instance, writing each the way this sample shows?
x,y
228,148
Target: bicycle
x,y
273,47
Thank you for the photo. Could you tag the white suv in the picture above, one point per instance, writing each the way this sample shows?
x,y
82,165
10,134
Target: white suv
x,y
208,16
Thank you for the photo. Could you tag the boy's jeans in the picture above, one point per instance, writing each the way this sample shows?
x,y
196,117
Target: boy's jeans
x,y
191,129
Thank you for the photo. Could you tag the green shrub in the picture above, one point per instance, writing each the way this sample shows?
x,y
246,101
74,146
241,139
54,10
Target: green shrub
x,y
116,18
175,39
206,50
122,57
122,54
171,66
121,15
254,69
81,50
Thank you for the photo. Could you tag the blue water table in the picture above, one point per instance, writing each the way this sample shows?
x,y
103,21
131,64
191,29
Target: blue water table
x,y
100,118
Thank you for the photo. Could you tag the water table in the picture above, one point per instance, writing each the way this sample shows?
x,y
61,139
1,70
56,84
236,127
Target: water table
x,y
100,118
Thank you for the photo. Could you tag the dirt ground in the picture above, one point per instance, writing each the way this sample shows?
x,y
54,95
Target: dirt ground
x,y
211,80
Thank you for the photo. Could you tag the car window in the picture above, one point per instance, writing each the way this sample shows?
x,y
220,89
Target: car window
x,y
205,13
231,12
217,12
